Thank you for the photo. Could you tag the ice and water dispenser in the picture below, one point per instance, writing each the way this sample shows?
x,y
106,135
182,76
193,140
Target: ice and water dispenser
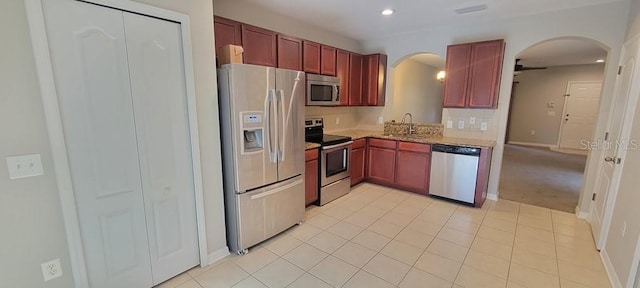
x,y
252,131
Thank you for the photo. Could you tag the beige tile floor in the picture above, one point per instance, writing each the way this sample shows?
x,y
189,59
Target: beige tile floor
x,y
381,237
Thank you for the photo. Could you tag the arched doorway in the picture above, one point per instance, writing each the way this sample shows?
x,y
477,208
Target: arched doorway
x,y
552,115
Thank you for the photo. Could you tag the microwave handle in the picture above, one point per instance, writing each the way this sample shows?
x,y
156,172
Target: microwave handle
x,y
337,90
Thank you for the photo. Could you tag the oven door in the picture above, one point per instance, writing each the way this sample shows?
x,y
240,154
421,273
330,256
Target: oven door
x,y
321,93
334,164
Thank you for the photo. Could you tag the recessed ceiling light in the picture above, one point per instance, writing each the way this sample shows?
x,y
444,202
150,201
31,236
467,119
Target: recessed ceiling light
x,y
600,61
470,9
387,12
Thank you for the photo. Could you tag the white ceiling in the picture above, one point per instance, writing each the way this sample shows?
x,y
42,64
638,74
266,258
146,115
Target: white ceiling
x,y
361,19
562,52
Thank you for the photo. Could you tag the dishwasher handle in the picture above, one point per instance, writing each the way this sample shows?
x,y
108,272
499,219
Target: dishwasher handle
x,y
454,149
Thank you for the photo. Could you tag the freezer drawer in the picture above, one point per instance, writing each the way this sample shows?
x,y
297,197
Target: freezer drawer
x,y
266,212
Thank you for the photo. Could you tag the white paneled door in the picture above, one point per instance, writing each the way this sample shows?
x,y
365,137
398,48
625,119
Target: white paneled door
x,y
121,92
614,144
580,114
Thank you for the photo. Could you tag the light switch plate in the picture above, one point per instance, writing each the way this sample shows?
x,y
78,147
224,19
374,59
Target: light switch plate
x,y
460,124
472,120
24,166
449,124
337,120
380,120
483,126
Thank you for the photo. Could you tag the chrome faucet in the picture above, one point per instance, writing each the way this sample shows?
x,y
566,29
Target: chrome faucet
x,y
410,130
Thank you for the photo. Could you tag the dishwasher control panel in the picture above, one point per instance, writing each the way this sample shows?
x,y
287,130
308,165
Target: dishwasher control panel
x,y
463,150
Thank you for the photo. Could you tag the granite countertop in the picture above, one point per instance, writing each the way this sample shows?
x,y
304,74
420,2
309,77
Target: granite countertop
x,y
309,145
358,134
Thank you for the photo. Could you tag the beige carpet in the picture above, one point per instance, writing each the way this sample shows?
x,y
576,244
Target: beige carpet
x,y
541,177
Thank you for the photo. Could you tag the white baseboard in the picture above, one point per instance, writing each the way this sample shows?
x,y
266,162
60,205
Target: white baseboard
x,y
531,144
492,197
218,255
608,267
580,214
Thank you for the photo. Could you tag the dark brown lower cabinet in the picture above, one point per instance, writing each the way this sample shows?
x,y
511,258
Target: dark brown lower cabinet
x,y
311,176
357,161
381,165
412,171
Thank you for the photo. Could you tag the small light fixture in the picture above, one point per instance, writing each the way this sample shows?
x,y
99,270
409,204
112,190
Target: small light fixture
x,y
440,76
387,12
600,61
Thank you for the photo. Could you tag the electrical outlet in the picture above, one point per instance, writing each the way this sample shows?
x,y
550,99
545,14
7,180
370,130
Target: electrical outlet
x,y
337,120
380,120
533,132
483,126
551,113
624,228
449,124
51,270
24,166
460,124
472,120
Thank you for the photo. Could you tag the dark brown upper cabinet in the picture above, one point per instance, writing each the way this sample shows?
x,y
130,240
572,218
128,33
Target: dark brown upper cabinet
x,y
342,72
226,32
473,73
327,60
375,69
355,79
259,46
289,53
311,57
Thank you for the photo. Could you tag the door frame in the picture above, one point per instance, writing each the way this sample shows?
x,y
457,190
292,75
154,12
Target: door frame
x,y
625,132
40,44
564,106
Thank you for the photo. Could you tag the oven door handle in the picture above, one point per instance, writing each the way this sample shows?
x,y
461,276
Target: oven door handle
x,y
337,145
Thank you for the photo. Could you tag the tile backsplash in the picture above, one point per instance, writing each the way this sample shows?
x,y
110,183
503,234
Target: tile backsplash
x,y
469,130
335,118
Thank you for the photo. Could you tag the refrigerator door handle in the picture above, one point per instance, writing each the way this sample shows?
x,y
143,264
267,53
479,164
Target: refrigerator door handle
x,y
282,138
267,108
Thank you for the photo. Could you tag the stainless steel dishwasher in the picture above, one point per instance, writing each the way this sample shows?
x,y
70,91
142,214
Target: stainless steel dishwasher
x,y
454,172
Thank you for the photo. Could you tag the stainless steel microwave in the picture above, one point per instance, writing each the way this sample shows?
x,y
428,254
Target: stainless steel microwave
x,y
323,90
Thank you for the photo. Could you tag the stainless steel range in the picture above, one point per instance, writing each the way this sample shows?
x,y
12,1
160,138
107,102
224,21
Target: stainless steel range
x,y
335,178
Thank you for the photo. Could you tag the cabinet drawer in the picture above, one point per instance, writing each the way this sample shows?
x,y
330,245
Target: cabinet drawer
x,y
311,154
415,147
359,143
390,144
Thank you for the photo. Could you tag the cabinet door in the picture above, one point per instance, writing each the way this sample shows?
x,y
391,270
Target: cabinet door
x,y
289,53
412,171
375,84
357,165
327,60
381,164
311,181
484,74
311,57
259,46
457,75
226,32
342,67
355,79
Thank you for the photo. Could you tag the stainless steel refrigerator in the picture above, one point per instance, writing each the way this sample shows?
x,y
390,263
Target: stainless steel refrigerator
x,y
262,124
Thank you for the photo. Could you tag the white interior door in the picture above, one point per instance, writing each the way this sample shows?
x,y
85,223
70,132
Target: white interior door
x,y
608,176
88,52
580,114
123,103
159,94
